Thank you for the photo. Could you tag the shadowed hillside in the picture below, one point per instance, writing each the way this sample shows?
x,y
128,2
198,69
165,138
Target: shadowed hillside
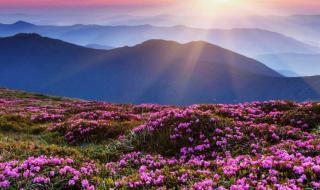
x,y
155,71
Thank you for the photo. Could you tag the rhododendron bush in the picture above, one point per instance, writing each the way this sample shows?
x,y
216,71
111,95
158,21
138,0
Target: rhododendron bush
x,y
56,143
43,172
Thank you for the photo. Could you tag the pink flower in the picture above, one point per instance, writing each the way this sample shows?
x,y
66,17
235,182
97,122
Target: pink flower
x,y
71,182
298,169
316,168
267,163
85,183
316,184
41,180
4,184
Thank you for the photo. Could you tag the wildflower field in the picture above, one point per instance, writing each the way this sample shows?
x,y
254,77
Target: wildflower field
x,y
59,143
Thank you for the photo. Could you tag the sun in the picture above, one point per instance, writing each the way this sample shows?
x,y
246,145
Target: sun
x,y
210,5
211,10
208,2
219,3
222,1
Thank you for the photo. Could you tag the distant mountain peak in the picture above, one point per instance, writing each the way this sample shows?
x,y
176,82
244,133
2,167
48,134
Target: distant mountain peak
x,y
154,41
34,39
200,42
27,35
21,23
166,42
157,43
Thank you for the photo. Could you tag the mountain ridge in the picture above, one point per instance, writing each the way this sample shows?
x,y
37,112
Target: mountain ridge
x,y
118,36
171,73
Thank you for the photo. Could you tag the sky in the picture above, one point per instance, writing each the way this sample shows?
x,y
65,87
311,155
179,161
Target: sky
x,y
289,5
78,3
161,12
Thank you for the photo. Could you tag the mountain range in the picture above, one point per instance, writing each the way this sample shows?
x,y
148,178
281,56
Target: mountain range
x,y
302,27
156,71
247,41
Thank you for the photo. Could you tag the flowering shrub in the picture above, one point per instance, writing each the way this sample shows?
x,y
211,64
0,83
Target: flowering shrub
x,y
279,170
78,131
47,117
95,126
47,173
193,132
137,171
271,145
146,108
106,115
302,118
169,131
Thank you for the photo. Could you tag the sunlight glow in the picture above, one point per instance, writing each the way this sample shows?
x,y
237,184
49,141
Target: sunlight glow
x,y
215,2
222,1
215,6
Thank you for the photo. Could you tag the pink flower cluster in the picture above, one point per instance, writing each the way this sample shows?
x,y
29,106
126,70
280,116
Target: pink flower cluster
x,y
275,170
47,172
106,115
259,145
82,130
256,148
47,117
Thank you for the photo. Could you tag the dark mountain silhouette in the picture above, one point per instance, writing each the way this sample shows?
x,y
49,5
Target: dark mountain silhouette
x,y
17,26
247,41
22,24
155,71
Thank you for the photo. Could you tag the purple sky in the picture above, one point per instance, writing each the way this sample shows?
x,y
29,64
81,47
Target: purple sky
x,y
162,12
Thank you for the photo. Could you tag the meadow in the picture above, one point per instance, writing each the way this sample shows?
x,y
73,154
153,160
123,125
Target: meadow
x,y
60,143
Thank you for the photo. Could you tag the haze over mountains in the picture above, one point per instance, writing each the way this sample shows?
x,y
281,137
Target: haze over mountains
x,y
293,64
156,71
247,41
97,46
302,27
